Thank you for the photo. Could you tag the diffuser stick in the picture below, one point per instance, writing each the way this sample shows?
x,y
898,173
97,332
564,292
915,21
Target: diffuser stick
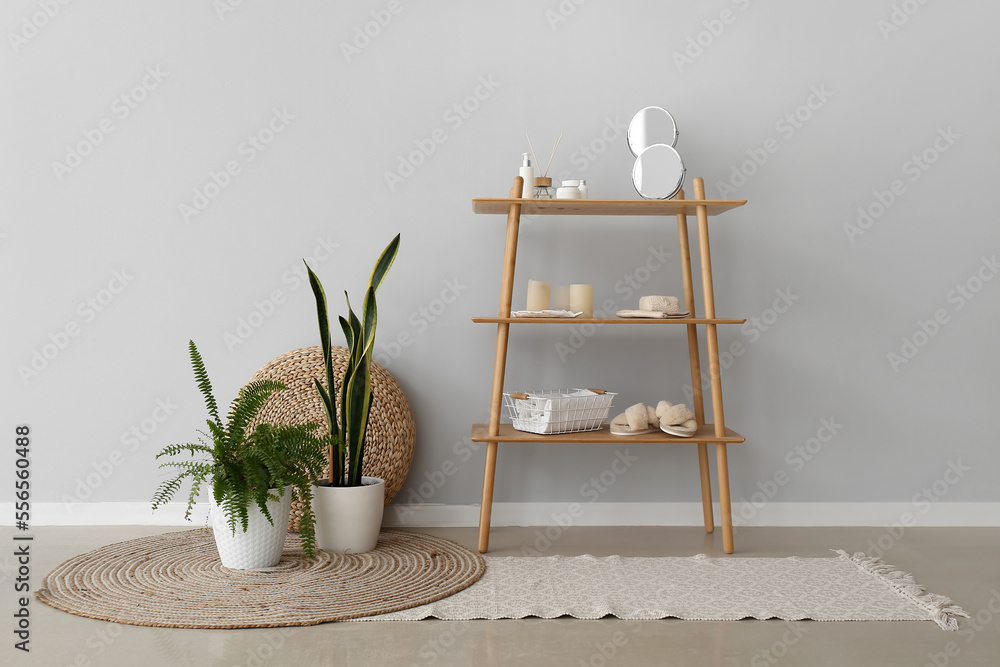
x,y
553,155
531,147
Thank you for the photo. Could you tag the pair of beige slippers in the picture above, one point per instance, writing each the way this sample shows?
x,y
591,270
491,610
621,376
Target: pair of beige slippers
x,y
675,420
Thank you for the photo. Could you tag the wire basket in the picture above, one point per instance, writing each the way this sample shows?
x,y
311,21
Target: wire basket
x,y
559,410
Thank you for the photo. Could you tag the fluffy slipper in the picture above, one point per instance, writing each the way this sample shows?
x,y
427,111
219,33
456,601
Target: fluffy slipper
x,y
636,420
676,419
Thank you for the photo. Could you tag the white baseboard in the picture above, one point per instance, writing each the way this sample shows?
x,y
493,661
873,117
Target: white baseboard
x,y
548,514
690,514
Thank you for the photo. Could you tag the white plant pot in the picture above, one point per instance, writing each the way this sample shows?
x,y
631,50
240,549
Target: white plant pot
x,y
262,543
348,518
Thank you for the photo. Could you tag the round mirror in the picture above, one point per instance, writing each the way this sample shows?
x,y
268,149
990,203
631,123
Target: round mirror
x,y
652,125
658,172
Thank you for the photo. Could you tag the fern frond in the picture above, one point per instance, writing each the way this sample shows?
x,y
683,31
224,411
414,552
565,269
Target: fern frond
x,y
204,384
166,491
192,448
248,404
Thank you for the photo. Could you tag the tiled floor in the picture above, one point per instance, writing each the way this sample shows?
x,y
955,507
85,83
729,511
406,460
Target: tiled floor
x,y
961,563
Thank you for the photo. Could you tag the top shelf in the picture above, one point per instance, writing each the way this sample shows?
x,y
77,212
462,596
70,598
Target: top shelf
x,y
605,206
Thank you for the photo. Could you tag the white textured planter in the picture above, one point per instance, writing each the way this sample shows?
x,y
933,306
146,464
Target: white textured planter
x,y
262,543
348,518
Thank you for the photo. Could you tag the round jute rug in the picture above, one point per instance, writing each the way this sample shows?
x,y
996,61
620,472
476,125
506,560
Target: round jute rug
x,y
176,580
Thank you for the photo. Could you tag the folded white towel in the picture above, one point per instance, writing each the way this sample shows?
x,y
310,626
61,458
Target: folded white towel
x,y
660,304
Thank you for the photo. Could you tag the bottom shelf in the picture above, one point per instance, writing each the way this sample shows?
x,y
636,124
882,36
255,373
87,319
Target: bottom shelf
x,y
706,433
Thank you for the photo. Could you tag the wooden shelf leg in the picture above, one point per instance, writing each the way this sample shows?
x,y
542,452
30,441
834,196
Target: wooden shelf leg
x,y
486,509
722,462
696,390
715,373
500,364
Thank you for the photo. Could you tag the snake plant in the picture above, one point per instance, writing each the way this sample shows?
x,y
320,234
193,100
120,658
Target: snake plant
x,y
347,434
246,468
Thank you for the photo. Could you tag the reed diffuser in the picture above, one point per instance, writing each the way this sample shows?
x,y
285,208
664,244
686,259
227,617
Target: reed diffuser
x,y
543,184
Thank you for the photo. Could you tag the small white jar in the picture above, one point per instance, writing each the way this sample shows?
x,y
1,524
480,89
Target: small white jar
x,y
569,190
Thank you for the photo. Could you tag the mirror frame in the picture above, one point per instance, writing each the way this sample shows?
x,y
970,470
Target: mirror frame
x,y
633,128
658,148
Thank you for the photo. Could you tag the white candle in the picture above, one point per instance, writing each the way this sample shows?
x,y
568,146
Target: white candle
x,y
560,297
581,299
538,294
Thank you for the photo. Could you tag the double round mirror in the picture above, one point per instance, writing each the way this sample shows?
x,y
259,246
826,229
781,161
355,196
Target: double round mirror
x,y
659,170
652,125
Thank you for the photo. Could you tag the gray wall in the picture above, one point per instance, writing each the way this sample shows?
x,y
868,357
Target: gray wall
x,y
887,88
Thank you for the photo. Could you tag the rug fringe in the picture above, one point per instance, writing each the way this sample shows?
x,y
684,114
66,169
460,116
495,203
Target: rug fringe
x,y
942,609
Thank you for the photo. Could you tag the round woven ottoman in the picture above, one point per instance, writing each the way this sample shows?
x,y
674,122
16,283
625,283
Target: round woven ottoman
x,y
390,434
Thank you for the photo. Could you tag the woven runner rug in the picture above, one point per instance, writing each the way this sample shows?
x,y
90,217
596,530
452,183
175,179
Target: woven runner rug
x,y
842,588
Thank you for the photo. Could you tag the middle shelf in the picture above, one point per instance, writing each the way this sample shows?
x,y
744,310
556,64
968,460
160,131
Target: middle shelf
x,y
605,320
705,433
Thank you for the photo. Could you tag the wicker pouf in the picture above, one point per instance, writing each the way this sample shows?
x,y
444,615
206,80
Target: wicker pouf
x,y
390,434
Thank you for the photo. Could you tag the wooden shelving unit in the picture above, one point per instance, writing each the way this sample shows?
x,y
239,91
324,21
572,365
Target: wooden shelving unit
x,y
493,432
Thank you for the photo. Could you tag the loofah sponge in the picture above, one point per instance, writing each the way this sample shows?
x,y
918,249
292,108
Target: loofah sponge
x,y
660,304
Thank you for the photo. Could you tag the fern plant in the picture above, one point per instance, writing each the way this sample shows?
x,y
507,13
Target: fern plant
x,y
346,436
246,468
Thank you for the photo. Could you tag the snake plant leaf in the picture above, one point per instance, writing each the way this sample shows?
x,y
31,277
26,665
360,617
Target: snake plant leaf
x,y
328,407
335,442
385,261
355,328
357,402
369,316
322,314
348,333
